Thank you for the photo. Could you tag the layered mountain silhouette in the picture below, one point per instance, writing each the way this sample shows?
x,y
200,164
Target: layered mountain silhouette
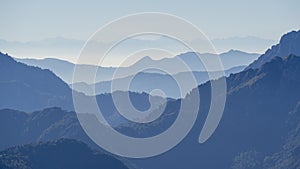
x,y
62,153
260,124
254,127
256,119
193,62
64,69
149,81
54,123
28,88
259,127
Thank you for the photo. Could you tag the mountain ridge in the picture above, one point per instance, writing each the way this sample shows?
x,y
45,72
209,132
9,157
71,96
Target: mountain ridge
x,y
34,88
106,73
287,45
146,82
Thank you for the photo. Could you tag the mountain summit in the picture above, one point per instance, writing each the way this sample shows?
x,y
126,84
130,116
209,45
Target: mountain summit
x,y
289,44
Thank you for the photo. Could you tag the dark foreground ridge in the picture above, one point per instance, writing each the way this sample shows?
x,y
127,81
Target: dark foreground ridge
x,y
58,154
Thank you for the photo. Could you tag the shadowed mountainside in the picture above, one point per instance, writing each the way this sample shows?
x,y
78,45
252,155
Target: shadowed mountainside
x,y
29,88
62,153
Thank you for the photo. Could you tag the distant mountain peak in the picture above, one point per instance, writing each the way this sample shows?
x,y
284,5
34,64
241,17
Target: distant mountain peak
x,y
235,51
147,58
187,54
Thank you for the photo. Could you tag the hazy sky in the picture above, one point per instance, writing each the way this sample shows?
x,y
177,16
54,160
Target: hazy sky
x,y
58,29
37,19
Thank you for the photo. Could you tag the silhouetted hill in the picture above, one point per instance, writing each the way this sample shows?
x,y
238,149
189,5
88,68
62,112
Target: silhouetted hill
x,y
30,88
58,154
289,44
147,80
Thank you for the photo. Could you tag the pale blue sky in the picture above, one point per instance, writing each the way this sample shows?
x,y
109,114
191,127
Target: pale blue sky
x,y
36,19
58,29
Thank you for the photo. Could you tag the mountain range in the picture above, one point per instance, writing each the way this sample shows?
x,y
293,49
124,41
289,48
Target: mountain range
x,y
259,127
64,69
233,61
69,48
149,81
28,88
259,117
